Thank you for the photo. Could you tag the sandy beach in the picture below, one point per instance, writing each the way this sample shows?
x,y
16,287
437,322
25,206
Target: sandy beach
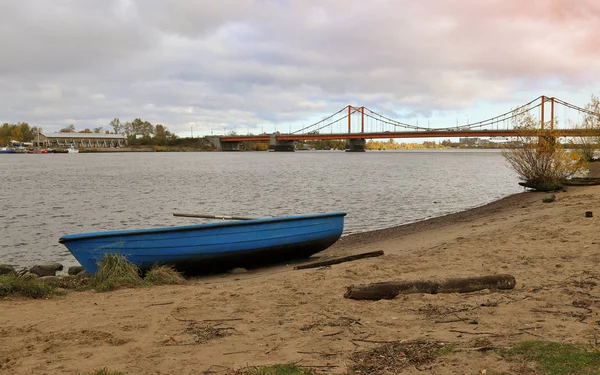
x,y
280,315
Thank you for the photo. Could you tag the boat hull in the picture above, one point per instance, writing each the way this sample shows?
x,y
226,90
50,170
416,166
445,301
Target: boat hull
x,y
212,247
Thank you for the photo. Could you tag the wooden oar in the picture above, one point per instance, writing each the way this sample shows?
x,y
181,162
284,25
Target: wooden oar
x,y
203,216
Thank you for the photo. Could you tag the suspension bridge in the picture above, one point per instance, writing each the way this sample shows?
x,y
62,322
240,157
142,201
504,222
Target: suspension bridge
x,y
357,124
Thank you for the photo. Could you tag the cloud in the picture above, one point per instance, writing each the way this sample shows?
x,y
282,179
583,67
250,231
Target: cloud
x,y
266,62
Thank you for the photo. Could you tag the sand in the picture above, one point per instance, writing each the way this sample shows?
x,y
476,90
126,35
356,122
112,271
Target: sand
x,y
279,315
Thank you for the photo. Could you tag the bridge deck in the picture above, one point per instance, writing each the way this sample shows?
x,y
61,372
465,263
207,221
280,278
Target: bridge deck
x,y
408,134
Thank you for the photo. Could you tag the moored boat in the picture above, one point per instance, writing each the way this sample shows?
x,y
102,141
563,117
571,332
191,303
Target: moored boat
x,y
207,247
6,150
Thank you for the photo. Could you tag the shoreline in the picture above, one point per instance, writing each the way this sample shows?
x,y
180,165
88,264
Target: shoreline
x,y
502,205
350,243
356,240
359,240
510,202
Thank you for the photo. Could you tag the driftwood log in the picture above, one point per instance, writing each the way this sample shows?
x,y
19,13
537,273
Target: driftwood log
x,y
348,258
389,290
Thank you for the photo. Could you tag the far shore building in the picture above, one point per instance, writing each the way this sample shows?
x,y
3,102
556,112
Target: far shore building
x,y
90,140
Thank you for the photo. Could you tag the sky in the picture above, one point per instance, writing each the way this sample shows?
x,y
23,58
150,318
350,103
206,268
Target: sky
x,y
261,65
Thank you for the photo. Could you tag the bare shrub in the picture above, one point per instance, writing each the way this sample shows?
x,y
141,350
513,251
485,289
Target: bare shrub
x,y
539,159
587,146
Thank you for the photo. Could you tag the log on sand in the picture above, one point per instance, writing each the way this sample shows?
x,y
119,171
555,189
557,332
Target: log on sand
x,y
348,258
389,290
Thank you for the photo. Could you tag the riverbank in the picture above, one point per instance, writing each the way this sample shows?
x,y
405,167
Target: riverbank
x,y
279,315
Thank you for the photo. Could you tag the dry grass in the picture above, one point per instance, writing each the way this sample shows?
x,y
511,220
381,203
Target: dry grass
x,y
114,272
203,332
72,282
102,371
275,370
392,357
164,275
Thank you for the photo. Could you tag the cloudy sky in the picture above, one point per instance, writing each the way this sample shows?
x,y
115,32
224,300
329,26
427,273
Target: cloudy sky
x,y
261,64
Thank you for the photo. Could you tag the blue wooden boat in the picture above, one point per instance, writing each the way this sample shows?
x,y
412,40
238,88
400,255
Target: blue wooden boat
x,y
211,247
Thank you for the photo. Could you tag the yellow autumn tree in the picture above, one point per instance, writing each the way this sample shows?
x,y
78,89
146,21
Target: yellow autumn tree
x,y
587,146
539,159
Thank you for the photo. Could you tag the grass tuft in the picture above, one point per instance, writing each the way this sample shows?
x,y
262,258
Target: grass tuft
x,y
28,286
102,371
164,275
556,358
275,370
115,271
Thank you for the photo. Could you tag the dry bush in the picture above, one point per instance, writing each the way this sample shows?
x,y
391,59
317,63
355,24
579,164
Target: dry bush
x,y
587,146
539,159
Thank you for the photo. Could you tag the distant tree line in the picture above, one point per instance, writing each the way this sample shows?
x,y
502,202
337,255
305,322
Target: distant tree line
x,y
140,132
331,144
392,145
20,132
71,129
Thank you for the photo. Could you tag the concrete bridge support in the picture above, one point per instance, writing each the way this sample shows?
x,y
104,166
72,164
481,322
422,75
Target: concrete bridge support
x,y
215,140
230,146
281,146
356,145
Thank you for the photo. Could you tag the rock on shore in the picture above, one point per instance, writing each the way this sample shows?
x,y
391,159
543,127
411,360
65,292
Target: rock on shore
x,y
75,270
6,268
46,269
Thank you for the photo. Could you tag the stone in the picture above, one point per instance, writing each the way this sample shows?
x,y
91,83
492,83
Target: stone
x,y
237,271
75,270
5,268
59,267
549,199
46,269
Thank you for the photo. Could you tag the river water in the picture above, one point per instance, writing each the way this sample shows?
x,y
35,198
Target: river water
x,y
45,196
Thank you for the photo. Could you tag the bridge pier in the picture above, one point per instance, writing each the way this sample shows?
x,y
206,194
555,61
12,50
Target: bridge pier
x,y
230,146
215,140
281,146
355,145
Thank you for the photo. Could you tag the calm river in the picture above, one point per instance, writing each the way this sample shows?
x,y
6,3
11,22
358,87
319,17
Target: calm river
x,y
45,196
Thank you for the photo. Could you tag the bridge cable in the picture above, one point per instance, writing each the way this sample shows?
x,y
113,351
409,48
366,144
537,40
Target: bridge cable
x,y
318,122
